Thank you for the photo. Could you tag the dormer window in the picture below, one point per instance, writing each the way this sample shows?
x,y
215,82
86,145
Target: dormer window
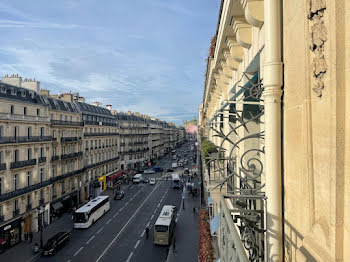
x,y
13,92
23,93
3,89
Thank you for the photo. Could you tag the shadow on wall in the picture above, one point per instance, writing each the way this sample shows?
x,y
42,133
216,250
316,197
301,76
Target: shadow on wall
x,y
293,244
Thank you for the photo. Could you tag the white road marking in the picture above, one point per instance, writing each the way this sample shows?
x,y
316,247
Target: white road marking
x,y
99,230
155,211
143,232
90,240
115,214
68,260
76,253
158,205
147,225
152,217
129,256
121,209
108,221
127,223
137,243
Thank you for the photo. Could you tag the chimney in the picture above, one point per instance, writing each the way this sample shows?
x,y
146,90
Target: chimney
x,y
109,107
31,84
129,113
96,103
66,97
13,80
81,99
44,92
114,112
137,114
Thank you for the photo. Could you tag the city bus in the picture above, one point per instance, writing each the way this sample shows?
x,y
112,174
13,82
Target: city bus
x,y
164,226
175,181
86,215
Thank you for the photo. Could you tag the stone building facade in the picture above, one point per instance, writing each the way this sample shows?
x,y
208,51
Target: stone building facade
x,y
275,106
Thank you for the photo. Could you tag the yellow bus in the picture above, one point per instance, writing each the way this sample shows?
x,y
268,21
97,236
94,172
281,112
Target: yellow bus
x,y
164,226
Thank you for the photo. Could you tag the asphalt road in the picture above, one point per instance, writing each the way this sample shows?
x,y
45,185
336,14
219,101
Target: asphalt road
x,y
119,234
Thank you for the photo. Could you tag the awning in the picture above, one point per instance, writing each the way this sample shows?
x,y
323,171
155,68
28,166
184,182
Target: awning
x,y
57,206
114,176
215,224
210,200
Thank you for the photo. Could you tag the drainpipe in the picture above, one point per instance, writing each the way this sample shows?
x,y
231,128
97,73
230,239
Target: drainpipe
x,y
272,97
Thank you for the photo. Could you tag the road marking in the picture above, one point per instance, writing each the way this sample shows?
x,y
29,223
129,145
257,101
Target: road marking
x,y
152,217
108,221
90,240
126,204
143,232
127,223
137,243
129,256
99,230
115,214
121,209
68,260
76,253
147,225
158,205
155,211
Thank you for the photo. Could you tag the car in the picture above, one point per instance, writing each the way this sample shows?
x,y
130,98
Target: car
x,y
145,180
170,170
119,195
152,181
148,171
186,171
55,243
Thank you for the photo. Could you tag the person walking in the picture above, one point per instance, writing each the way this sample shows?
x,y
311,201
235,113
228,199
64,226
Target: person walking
x,y
147,232
30,237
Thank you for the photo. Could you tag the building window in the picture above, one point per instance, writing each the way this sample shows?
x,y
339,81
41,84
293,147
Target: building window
x,y
54,134
28,199
0,188
42,131
51,116
62,188
54,151
28,178
42,152
16,131
53,191
15,156
38,112
41,175
25,110
15,181
29,132
1,157
29,153
1,131
12,109
15,205
42,194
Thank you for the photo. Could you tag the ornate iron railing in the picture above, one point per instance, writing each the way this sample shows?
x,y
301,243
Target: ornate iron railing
x,y
240,166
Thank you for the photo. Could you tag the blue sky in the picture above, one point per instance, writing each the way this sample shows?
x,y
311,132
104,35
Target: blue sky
x,y
146,56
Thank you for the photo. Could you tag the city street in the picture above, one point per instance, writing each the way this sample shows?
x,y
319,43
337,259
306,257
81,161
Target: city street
x,y
119,235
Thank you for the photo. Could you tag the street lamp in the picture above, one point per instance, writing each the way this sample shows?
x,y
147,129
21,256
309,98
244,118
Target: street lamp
x,y
41,225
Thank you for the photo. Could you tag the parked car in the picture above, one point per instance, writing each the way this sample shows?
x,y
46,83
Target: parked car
x,y
145,180
55,243
170,170
119,195
152,181
187,171
157,169
148,171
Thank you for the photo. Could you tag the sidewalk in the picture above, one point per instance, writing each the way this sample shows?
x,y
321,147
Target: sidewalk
x,y
186,231
23,251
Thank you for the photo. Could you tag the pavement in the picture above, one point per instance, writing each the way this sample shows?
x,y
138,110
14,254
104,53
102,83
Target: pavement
x,y
186,231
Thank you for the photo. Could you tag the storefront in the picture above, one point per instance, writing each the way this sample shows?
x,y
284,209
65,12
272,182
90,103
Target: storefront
x,y
115,179
64,204
94,189
10,234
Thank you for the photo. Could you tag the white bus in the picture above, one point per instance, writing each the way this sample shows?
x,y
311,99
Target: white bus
x,y
164,226
137,178
86,215
175,180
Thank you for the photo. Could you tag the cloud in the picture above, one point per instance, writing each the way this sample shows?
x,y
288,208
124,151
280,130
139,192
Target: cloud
x,y
38,25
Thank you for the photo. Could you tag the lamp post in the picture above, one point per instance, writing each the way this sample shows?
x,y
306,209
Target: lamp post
x,y
41,225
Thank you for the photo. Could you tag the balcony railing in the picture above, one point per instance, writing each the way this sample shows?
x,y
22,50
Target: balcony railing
x,y
15,212
89,122
69,139
24,139
16,117
2,166
24,163
55,158
72,155
42,159
101,134
66,123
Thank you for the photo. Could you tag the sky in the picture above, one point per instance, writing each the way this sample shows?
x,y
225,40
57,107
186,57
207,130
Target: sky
x,y
146,56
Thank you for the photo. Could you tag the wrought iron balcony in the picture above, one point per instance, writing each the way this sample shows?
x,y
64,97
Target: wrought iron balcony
x,y
2,166
101,134
71,155
23,191
28,207
42,159
24,139
15,212
89,122
66,123
41,201
69,139
55,158
7,116
23,163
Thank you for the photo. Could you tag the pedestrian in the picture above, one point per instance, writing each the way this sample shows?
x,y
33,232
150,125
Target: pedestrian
x,y
194,210
30,237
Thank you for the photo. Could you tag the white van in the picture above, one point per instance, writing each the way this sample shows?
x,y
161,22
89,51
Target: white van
x,y
137,179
